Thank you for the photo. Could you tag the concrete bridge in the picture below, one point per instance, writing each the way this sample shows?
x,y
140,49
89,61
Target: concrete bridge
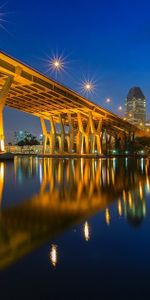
x,y
75,121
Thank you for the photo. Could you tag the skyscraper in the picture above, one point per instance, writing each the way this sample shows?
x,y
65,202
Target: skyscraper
x,y
136,107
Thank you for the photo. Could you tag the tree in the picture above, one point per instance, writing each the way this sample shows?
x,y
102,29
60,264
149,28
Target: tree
x,y
29,140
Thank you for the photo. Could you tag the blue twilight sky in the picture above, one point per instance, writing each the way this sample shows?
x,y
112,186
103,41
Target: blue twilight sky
x,y
108,41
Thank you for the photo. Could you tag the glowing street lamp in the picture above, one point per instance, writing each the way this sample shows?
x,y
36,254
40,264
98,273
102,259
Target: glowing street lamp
x,y
88,87
120,108
56,64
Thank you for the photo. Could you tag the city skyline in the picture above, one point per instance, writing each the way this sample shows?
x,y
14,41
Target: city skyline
x,y
111,48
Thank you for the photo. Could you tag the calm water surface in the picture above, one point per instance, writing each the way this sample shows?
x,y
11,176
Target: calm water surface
x,y
75,229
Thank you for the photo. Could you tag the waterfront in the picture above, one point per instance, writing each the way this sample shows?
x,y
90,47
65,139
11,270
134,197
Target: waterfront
x,y
74,228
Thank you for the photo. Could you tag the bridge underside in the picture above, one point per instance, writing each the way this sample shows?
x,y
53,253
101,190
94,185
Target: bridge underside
x,y
75,123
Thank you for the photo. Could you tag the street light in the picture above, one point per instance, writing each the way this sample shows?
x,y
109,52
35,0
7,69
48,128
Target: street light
x,y
56,64
120,108
87,86
108,100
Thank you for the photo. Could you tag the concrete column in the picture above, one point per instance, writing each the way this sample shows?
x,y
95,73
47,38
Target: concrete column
x,y
52,136
95,135
62,135
3,96
44,132
71,135
80,135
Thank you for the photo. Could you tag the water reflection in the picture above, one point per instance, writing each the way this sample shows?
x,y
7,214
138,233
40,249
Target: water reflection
x,y
54,255
67,191
86,230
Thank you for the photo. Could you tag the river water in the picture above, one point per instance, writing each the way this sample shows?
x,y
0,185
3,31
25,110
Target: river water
x,y
75,228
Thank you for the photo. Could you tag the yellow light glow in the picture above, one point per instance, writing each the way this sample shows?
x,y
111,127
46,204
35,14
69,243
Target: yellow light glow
x,y
86,230
56,64
141,124
107,216
148,184
140,190
53,255
88,86
130,115
124,196
2,145
130,199
119,208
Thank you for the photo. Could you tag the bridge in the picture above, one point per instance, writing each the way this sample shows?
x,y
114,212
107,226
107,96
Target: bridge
x,y
73,120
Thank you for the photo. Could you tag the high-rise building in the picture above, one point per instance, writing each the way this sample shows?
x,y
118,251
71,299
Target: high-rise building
x,y
135,105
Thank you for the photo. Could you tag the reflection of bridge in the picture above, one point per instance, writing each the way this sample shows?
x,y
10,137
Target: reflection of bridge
x,y
74,121
70,191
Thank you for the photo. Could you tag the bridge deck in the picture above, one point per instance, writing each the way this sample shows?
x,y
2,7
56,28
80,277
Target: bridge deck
x,y
34,93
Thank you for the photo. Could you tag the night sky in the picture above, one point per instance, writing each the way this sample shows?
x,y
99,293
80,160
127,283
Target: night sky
x,y
108,41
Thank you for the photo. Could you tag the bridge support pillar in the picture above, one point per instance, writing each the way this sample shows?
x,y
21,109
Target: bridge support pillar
x,y
52,136
95,135
49,136
61,137
3,96
82,138
70,138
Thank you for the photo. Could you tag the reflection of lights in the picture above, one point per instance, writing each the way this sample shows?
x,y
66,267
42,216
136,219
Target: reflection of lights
x,y
142,164
40,173
1,171
107,216
147,184
140,191
126,162
1,179
130,199
113,176
119,208
114,164
144,209
86,230
53,255
124,196
2,145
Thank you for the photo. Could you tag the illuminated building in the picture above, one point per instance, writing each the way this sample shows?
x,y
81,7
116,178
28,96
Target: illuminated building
x,y
136,107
